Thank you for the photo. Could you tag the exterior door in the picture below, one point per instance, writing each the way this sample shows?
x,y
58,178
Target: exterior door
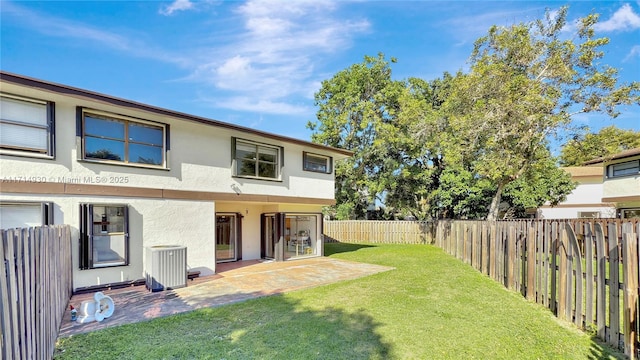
x,y
226,238
268,236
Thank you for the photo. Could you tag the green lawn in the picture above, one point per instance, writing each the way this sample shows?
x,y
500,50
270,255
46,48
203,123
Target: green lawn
x,y
431,307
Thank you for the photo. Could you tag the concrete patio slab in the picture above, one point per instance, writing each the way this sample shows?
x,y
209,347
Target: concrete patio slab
x,y
233,282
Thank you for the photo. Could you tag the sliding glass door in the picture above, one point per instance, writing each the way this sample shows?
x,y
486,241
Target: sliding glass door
x,y
226,237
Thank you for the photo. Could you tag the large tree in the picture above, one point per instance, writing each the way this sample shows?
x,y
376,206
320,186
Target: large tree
x,y
357,108
608,141
525,83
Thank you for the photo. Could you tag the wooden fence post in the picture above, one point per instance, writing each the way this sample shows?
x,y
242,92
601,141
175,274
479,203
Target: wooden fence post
x,y
588,255
601,305
576,259
614,287
531,263
630,258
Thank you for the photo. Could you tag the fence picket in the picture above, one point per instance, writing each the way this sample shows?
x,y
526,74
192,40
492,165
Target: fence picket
x,y
614,283
35,287
630,252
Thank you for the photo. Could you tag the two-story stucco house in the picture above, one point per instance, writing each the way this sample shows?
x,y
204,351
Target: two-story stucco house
x,y
127,176
607,188
585,201
621,184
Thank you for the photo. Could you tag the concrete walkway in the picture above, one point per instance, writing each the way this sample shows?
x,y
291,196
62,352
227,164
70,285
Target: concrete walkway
x,y
234,282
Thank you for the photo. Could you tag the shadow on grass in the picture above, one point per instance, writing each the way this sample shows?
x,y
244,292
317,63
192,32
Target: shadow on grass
x,y
339,247
600,351
274,327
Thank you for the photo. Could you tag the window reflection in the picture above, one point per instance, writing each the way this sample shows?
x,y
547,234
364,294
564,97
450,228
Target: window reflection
x,y
123,140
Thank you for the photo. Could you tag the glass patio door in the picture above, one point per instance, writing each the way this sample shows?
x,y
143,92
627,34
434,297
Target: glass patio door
x,y
268,236
226,238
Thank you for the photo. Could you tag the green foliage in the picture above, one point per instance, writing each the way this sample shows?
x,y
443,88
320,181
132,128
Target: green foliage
x,y
472,144
608,141
525,83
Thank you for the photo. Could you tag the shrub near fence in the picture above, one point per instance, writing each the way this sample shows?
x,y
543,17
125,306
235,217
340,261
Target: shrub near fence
x,y
574,267
35,288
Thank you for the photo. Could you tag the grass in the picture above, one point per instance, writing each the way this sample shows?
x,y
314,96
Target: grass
x,y
431,307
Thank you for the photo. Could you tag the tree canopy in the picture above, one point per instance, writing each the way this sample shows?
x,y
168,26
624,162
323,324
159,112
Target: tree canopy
x,y
474,144
608,141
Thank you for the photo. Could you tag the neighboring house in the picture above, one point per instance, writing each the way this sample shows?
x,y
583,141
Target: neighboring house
x,y
621,181
585,201
126,176
608,187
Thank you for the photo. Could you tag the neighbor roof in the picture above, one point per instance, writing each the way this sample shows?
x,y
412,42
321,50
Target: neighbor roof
x,y
620,155
584,171
73,91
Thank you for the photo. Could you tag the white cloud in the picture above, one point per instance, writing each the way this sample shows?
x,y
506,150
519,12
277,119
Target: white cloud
x,y
177,5
263,106
70,29
274,53
634,53
625,19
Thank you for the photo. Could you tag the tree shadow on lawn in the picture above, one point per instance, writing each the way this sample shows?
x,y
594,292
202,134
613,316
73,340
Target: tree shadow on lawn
x,y
340,247
273,327
601,351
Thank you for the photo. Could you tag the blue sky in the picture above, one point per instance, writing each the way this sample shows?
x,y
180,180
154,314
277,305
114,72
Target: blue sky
x,y
258,63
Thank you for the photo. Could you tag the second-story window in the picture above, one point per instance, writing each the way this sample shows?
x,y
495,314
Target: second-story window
x,y
256,160
316,163
118,139
624,169
26,126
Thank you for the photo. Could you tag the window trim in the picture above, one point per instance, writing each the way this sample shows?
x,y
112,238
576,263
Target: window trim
x,y
46,209
86,260
50,152
234,161
581,214
81,113
624,210
610,168
328,158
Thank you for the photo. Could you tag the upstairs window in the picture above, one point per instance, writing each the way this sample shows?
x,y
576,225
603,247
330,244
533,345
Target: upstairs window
x,y
624,169
256,160
316,163
119,139
26,126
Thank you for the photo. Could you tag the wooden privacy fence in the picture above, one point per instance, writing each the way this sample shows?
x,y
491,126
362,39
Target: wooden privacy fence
x,y
390,232
585,271
35,288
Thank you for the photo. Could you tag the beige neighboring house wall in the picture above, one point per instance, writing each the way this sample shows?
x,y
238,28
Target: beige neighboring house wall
x,y
585,200
194,196
622,181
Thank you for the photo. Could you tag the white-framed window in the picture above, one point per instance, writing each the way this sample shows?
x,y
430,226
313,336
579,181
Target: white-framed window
x,y
26,126
25,214
256,160
630,213
624,168
123,140
316,163
588,214
104,235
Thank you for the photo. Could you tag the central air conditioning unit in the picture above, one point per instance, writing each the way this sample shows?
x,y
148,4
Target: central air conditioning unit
x,y
165,267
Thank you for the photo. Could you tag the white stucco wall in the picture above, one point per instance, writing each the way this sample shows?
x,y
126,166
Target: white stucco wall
x,y
199,158
622,186
589,193
151,222
572,212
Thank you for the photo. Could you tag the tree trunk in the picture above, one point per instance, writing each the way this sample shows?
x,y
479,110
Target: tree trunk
x,y
495,204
